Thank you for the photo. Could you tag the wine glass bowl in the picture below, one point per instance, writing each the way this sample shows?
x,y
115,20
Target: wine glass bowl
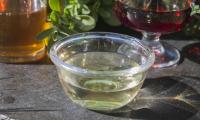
x,y
153,18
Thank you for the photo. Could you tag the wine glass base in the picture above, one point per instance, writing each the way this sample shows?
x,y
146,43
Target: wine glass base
x,y
168,58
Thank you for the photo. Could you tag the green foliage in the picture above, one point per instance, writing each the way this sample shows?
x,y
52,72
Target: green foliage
x,y
195,9
75,16
192,28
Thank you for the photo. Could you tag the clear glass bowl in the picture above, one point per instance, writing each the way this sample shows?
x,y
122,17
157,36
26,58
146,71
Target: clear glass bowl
x,y
101,71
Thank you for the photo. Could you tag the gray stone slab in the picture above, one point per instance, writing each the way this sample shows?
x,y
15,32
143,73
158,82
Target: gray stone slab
x,y
33,92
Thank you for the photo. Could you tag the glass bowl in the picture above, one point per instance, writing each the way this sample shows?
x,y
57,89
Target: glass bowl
x,y
101,71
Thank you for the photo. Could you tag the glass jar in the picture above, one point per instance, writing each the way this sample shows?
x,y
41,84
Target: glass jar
x,y
20,22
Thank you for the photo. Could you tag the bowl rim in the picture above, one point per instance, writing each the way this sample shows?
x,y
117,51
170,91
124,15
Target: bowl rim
x,y
109,35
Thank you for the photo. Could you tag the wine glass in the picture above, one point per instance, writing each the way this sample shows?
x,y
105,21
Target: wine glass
x,y
153,18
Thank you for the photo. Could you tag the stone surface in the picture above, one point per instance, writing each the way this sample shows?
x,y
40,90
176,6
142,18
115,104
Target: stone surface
x,y
33,92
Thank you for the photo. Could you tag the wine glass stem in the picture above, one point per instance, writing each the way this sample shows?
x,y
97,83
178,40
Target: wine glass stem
x,y
152,40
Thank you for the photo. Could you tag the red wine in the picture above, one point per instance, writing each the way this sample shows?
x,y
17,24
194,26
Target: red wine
x,y
152,21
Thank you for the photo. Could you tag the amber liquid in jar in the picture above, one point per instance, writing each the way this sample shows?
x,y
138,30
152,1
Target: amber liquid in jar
x,y
18,33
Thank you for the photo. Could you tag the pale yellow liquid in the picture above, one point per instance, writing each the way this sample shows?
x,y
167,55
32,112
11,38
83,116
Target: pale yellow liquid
x,y
101,93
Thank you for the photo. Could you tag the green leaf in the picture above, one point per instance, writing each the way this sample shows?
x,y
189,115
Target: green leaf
x,y
84,1
109,17
55,5
108,2
86,23
54,16
45,34
192,13
85,10
87,20
69,9
112,21
95,9
72,1
196,7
